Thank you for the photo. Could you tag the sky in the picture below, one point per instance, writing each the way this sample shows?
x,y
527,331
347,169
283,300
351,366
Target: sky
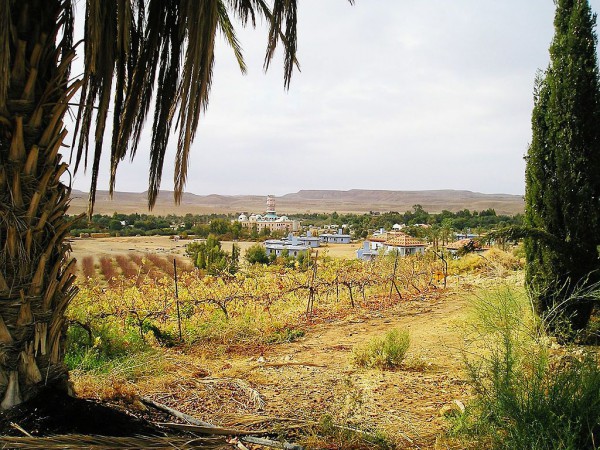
x,y
392,94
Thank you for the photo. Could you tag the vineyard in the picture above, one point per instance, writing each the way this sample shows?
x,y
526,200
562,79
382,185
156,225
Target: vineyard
x,y
138,296
273,342
111,271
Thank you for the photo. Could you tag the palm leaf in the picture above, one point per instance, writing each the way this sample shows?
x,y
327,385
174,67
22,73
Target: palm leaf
x,y
107,442
138,46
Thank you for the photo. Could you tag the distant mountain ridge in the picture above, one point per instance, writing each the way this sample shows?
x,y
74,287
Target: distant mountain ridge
x,y
354,200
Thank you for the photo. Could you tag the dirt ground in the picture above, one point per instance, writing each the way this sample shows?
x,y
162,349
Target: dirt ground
x,y
309,378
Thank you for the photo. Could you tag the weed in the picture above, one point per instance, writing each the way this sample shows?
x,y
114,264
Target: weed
x,y
127,266
108,270
327,434
89,270
385,352
525,397
284,335
99,353
494,262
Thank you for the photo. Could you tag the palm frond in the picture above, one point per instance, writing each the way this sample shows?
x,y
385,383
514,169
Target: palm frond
x,y
284,16
105,442
200,26
167,45
166,95
228,31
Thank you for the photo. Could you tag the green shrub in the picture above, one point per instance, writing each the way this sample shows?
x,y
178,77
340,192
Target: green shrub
x,y
385,352
525,397
99,352
284,335
256,254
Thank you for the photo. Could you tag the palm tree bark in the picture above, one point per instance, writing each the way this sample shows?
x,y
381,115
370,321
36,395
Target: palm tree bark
x,y
36,275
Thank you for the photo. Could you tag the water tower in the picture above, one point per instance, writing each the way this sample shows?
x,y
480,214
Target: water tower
x,y
271,204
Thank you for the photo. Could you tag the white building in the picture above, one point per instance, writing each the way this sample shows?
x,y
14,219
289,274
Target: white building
x,y
292,245
269,220
402,243
337,238
405,245
366,253
310,240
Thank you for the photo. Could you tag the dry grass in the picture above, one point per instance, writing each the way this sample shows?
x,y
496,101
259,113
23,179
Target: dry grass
x,y
165,264
88,267
108,270
493,263
383,352
128,268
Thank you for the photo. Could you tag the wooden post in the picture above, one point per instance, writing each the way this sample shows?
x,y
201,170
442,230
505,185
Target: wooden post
x,y
311,288
393,281
443,258
177,299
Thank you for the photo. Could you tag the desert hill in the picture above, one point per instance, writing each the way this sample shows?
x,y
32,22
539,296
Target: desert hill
x,y
354,200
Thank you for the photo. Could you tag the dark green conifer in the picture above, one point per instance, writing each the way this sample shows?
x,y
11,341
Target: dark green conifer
x,y
563,167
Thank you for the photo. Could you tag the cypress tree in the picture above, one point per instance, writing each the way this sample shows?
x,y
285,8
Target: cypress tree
x,y
563,168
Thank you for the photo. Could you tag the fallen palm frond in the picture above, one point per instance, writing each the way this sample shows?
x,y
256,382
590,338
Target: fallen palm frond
x,y
286,364
214,430
75,441
198,426
242,385
175,413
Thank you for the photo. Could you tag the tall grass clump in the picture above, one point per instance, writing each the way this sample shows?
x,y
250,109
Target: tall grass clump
x,y
385,352
100,350
494,262
526,397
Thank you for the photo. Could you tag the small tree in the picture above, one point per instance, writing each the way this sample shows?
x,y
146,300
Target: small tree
x,y
115,225
256,254
234,259
208,255
563,166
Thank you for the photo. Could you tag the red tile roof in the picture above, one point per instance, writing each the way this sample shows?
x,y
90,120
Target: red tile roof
x,y
383,237
404,240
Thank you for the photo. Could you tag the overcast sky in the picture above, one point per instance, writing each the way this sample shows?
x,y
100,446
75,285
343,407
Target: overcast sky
x,y
392,94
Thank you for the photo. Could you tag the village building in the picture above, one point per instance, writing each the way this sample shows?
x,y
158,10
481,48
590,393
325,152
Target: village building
x,y
388,242
405,245
466,235
270,220
366,253
309,240
291,244
337,238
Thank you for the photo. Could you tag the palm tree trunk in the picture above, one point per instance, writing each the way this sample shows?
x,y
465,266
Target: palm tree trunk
x,y
36,276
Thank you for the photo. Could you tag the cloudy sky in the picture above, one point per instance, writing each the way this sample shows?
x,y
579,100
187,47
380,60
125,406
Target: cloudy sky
x,y
392,94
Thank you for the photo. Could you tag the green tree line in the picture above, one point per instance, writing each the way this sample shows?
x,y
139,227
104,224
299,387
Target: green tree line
x,y
224,226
